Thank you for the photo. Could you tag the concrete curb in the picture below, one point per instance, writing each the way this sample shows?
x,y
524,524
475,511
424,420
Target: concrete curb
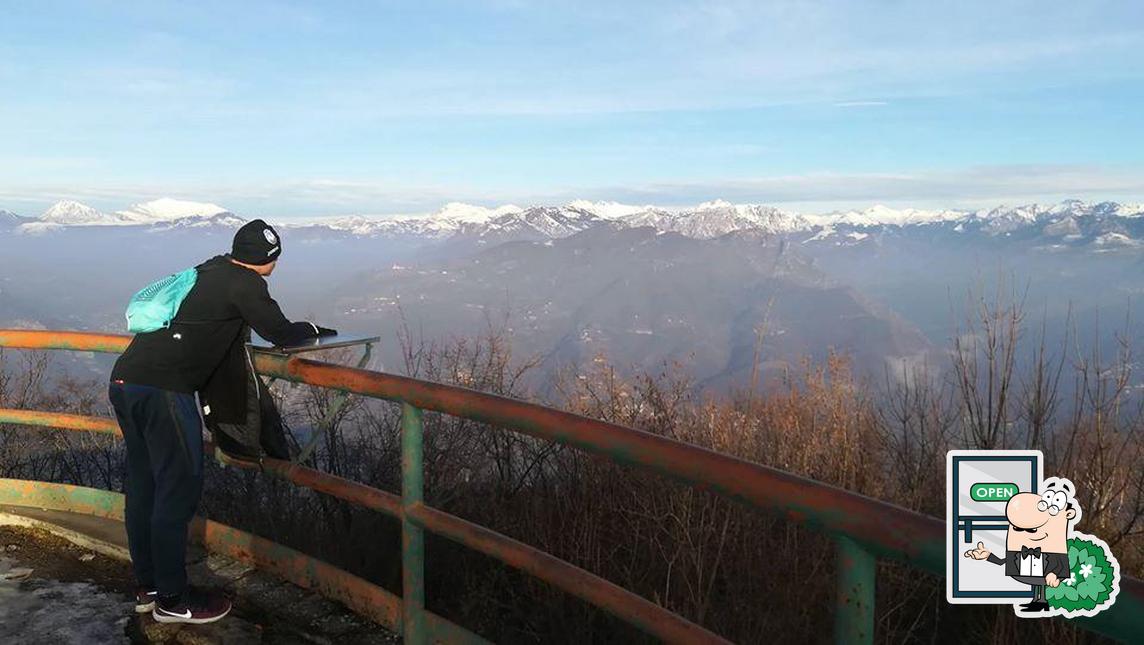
x,y
79,539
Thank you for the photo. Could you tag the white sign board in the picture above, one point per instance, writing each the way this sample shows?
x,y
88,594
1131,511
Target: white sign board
x,y
979,483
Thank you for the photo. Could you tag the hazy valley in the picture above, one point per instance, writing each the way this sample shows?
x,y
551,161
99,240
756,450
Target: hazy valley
x,y
716,287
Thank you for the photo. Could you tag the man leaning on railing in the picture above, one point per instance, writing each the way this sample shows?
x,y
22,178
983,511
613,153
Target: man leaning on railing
x,y
198,358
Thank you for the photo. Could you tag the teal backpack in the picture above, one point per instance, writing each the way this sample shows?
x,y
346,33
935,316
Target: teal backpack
x,y
155,305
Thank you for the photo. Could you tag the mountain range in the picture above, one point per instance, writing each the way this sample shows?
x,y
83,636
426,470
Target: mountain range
x,y
643,284
160,212
1101,225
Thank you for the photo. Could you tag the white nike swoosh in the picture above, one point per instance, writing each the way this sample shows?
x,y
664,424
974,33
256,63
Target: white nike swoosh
x,y
171,613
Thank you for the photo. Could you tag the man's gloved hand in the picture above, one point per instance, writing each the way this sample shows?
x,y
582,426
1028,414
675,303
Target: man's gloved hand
x,y
326,331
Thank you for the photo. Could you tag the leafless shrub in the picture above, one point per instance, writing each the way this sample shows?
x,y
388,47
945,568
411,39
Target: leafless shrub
x,y
984,356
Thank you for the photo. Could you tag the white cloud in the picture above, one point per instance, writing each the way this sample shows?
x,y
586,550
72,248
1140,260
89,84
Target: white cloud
x,y
813,192
978,185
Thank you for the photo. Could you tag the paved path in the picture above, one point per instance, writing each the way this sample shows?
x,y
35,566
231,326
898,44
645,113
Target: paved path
x,y
80,590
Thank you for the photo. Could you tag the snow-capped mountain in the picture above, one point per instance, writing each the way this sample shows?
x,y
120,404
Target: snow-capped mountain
x,y
1004,219
225,220
717,218
1072,223
160,213
469,214
708,220
504,222
1101,225
538,222
167,210
450,220
879,215
609,210
1063,218
1000,219
9,219
72,213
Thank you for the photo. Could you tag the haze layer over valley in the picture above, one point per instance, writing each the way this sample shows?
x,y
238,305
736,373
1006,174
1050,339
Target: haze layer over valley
x,y
715,287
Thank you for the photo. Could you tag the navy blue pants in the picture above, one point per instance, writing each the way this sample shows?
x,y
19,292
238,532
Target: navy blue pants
x,y
164,437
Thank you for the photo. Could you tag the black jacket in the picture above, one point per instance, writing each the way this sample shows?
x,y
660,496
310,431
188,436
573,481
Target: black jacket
x,y
225,301
204,351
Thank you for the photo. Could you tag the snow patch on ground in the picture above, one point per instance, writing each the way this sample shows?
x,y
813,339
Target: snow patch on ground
x,y
36,611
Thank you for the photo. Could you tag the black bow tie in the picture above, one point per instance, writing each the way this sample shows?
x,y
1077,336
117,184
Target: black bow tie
x,y
1026,552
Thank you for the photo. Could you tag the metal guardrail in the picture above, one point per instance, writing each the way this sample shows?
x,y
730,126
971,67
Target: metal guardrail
x,y
362,596
864,529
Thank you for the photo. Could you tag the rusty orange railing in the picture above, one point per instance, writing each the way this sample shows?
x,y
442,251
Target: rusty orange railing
x,y
863,528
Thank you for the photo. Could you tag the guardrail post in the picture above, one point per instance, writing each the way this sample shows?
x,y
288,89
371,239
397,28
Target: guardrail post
x,y
412,538
854,615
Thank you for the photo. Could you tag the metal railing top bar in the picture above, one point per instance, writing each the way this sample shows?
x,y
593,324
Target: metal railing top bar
x,y
78,341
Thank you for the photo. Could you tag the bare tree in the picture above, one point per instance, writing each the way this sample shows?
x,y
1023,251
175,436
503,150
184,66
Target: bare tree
x,y
984,358
1040,386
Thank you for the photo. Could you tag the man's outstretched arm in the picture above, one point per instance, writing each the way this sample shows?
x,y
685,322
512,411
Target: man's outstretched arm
x,y
263,314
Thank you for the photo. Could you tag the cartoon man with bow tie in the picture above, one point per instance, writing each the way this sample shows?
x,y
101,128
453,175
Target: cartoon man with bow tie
x,y
1036,546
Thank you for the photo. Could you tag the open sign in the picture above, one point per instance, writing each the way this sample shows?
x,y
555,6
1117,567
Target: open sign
x,y
992,492
979,484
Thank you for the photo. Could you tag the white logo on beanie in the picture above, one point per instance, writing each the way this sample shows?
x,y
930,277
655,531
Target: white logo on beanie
x,y
270,236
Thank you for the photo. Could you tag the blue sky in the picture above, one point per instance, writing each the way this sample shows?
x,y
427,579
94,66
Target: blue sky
x,y
324,108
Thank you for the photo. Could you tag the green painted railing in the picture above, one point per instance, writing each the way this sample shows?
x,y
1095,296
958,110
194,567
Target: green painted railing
x,y
864,529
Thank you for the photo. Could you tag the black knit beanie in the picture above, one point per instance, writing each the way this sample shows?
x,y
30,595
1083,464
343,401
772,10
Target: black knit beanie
x,y
256,243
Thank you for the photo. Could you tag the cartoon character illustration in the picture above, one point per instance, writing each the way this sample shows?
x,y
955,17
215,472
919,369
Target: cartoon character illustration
x,y
1036,550
1071,573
